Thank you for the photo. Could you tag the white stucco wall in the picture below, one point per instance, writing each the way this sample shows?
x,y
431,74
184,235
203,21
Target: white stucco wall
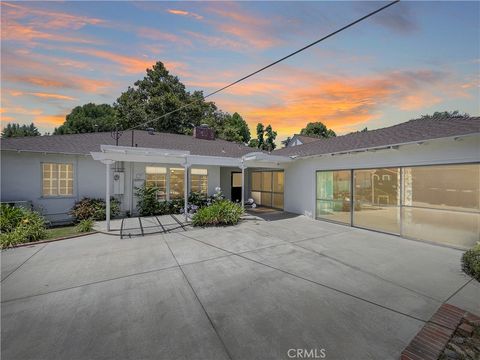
x,y
21,180
300,174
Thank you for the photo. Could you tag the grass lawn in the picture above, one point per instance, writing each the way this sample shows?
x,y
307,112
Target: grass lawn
x,y
60,232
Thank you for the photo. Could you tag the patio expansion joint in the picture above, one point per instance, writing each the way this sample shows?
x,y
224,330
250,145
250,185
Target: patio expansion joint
x,y
458,290
19,266
311,281
366,272
295,243
90,283
212,324
117,278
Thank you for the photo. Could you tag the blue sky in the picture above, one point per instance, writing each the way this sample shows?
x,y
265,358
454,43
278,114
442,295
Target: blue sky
x,y
414,58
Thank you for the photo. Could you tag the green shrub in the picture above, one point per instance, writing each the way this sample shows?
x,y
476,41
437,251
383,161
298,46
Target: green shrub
x,y
88,208
10,216
471,262
10,239
147,203
30,227
222,212
85,225
197,199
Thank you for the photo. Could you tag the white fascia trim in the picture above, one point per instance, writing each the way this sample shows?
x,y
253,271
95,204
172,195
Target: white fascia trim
x,y
142,151
384,147
260,156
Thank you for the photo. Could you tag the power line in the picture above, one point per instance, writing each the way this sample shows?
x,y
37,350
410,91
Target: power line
x,y
273,63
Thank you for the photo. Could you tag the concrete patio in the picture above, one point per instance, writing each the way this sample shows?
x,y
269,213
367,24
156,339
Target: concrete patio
x,y
252,291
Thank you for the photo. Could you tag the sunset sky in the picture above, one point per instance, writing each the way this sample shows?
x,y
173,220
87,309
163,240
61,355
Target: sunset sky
x,y
412,59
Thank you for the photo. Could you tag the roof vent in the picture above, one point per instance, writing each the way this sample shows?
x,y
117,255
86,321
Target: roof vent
x,y
203,132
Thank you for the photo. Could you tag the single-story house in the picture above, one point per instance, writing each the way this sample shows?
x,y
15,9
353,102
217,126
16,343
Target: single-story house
x,y
419,179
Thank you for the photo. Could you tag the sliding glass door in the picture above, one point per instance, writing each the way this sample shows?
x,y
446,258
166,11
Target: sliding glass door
x,y
267,188
377,199
333,195
438,203
442,203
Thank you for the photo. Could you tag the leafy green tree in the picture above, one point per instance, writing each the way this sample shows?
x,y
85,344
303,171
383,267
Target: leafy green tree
x,y
265,138
270,140
160,93
17,130
88,118
260,138
253,143
317,129
239,123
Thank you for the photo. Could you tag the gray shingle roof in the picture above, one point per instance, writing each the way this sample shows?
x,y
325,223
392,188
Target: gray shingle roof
x,y
306,139
85,143
410,131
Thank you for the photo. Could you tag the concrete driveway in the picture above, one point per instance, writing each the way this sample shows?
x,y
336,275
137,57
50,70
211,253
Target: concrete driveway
x,y
253,291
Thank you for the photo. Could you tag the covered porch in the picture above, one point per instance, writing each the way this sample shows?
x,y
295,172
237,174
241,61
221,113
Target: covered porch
x,y
177,173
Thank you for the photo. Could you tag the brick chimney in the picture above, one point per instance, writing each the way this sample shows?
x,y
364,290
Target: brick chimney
x,y
203,132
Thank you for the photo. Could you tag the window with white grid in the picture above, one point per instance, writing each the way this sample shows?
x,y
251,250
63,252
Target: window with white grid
x,y
57,179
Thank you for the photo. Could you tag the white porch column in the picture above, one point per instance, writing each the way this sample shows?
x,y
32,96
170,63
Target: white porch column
x,y
107,191
186,166
243,167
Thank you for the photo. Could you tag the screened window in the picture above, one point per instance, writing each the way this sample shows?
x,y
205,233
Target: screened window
x,y
57,179
176,183
157,177
199,181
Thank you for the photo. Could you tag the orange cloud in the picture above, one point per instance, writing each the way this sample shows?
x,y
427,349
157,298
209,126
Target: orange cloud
x,y
295,97
51,96
60,81
7,118
218,41
185,13
129,64
49,120
48,19
418,101
251,29
12,30
41,95
21,111
158,35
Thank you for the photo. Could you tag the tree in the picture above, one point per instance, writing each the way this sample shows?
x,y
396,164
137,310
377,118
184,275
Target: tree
x,y
270,141
160,93
286,141
317,129
17,130
253,143
236,129
88,118
265,138
260,139
444,114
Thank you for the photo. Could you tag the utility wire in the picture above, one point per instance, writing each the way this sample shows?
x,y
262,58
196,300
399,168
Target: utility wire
x,y
273,63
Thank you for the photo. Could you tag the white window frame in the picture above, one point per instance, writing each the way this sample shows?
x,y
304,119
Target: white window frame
x,y
58,179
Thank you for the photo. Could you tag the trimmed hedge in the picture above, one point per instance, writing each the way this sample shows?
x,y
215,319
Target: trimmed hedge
x,y
223,212
471,262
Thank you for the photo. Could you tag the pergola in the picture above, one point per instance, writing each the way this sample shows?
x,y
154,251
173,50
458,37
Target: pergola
x,y
110,154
